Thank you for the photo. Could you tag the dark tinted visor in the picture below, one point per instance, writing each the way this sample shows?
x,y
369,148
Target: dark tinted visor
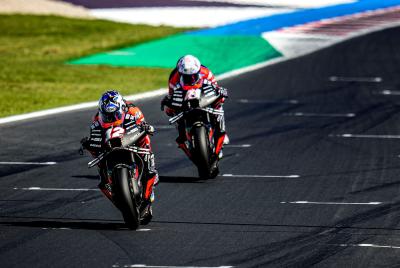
x,y
190,79
110,117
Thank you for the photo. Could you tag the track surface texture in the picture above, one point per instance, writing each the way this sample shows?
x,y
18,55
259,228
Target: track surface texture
x,y
241,221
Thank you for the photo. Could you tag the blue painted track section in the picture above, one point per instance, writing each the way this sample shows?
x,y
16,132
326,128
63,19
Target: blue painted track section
x,y
275,22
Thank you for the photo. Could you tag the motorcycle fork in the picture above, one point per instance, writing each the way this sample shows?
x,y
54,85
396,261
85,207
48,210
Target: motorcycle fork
x,y
216,141
184,146
107,193
185,150
107,189
145,182
137,175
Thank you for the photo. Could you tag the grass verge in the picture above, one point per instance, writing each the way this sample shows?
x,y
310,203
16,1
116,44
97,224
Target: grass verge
x,y
34,49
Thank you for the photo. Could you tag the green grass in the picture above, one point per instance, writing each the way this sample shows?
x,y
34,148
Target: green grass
x,y
34,49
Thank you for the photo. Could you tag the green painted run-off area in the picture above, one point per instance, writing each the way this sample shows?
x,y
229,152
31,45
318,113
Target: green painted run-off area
x,y
220,53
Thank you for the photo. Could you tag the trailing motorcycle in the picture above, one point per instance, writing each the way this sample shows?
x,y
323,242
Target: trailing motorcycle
x,y
124,165
200,146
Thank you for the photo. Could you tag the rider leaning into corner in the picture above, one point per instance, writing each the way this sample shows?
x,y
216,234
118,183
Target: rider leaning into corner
x,y
114,111
190,74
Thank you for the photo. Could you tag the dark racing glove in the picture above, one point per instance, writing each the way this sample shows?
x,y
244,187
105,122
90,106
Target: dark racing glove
x,y
149,129
166,101
84,144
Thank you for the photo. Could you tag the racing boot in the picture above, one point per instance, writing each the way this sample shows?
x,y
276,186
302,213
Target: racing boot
x,y
147,216
146,212
226,139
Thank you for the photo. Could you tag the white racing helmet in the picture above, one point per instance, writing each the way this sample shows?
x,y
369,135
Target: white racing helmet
x,y
189,68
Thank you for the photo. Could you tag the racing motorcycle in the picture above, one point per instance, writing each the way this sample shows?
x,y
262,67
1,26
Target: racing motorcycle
x,y
125,171
200,146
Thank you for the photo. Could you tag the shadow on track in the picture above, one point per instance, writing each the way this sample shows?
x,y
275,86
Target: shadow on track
x,y
180,179
90,177
82,225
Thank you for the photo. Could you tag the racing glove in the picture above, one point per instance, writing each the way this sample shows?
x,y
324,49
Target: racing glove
x,y
223,92
166,101
149,129
84,144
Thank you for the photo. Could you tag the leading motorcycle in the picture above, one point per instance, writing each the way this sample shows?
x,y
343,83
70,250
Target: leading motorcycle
x,y
124,165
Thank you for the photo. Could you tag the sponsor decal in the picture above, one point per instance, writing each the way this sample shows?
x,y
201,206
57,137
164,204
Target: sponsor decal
x,y
138,114
95,145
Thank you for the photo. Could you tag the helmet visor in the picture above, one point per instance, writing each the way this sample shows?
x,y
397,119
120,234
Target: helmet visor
x,y
190,79
110,117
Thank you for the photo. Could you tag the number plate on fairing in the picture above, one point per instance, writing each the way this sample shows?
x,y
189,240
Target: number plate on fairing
x,y
193,94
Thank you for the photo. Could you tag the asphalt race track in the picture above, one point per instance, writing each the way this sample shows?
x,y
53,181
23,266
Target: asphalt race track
x,y
311,176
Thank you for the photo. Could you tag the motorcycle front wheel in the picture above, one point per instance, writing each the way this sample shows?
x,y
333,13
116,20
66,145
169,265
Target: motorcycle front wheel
x,y
201,151
125,197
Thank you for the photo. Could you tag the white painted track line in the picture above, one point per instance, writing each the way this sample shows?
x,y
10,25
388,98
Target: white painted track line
x,y
291,3
28,163
237,146
389,92
225,146
158,266
356,79
332,203
268,101
261,176
183,17
56,189
80,106
301,114
366,136
367,246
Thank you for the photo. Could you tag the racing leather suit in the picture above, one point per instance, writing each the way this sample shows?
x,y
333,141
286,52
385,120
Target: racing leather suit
x,y
96,141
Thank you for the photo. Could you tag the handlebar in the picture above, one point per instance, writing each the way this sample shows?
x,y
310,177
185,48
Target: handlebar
x,y
133,149
174,119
